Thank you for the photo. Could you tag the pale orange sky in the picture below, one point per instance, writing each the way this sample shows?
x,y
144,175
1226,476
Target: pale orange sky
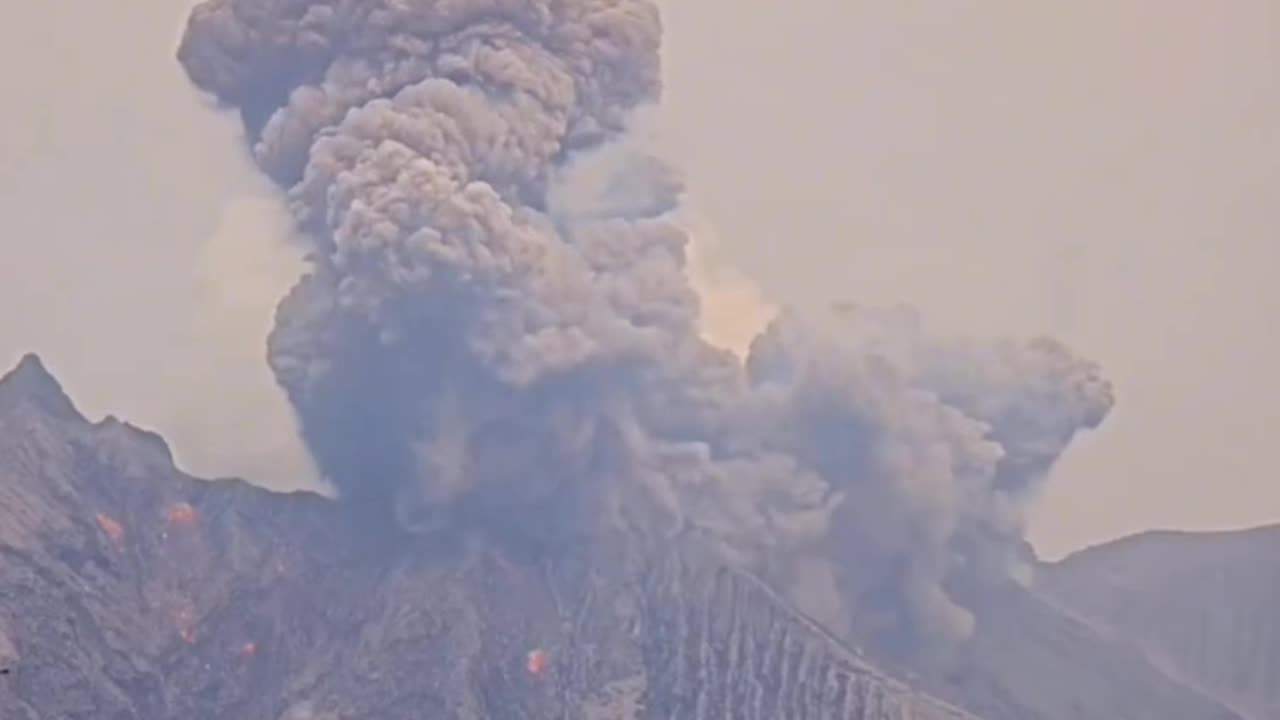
x,y
1104,171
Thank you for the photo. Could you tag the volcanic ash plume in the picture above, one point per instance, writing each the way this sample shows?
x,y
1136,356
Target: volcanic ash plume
x,y
498,313
418,142
937,446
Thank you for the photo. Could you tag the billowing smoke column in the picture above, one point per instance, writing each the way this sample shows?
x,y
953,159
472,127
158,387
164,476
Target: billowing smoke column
x,y
938,446
498,316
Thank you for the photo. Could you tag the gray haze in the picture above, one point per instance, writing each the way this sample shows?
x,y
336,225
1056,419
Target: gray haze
x,y
143,257
1106,172
1142,172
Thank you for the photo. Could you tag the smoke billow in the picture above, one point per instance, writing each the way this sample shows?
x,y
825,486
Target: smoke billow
x,y
937,445
498,313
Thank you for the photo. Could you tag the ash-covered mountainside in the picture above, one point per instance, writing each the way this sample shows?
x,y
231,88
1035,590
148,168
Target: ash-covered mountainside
x,y
1204,605
1029,660
128,590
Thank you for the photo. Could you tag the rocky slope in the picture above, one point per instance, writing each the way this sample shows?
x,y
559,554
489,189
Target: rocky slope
x,y
1204,605
128,590
1028,660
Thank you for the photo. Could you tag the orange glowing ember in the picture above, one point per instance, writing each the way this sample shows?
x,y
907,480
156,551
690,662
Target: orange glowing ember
x,y
109,526
536,662
181,513
186,620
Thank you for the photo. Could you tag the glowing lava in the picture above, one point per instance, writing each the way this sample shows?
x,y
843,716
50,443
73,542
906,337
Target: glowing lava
x,y
112,528
536,662
181,514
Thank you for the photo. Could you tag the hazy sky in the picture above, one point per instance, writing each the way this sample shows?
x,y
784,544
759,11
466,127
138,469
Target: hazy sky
x,y
1085,169
1099,170
142,254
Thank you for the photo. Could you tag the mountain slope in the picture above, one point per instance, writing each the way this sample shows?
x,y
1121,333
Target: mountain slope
x,y
1202,604
1028,660
129,590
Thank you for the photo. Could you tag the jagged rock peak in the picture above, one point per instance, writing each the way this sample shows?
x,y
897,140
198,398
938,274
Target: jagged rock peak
x,y
31,383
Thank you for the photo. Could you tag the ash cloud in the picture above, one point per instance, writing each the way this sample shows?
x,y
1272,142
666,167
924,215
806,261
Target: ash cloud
x,y
498,315
937,444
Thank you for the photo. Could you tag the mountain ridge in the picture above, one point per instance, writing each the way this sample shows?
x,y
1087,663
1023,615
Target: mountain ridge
x,y
131,590
1201,604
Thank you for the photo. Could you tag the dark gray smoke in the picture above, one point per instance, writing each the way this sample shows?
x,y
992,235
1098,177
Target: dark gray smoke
x,y
498,316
